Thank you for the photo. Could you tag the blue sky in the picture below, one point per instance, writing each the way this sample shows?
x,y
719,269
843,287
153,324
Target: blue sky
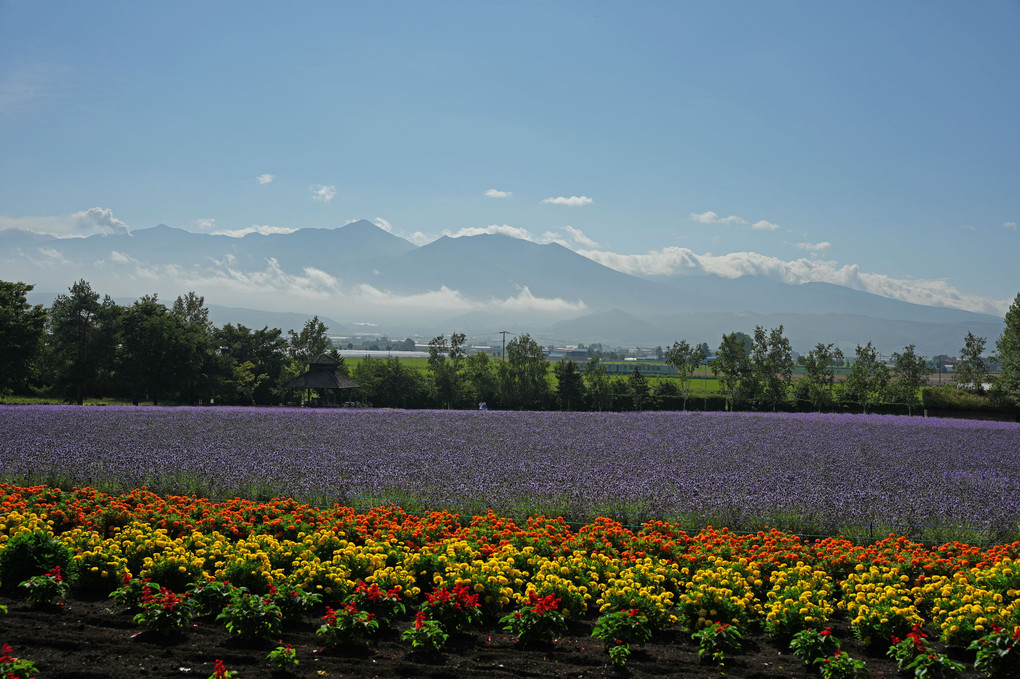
x,y
872,144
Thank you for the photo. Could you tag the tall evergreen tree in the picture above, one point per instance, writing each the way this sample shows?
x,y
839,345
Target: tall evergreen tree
x,y
596,382
1007,387
569,384
83,334
22,330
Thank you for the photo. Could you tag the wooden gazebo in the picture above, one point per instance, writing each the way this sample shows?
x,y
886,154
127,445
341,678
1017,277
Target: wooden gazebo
x,y
323,377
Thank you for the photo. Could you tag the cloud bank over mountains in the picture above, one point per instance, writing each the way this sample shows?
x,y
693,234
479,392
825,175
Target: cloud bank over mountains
x,y
277,283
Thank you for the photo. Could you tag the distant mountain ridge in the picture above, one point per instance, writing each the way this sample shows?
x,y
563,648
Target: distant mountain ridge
x,y
360,272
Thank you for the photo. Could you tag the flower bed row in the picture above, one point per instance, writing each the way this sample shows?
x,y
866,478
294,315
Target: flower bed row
x,y
255,564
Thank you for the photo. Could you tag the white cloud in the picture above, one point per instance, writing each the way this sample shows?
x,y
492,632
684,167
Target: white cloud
x,y
323,193
207,224
573,201
669,261
764,225
526,301
419,238
383,224
673,261
713,218
98,220
1009,225
121,258
51,257
814,247
504,230
264,179
254,228
496,193
577,236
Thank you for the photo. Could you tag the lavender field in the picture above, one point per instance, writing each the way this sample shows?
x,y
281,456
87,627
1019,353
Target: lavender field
x,y
851,474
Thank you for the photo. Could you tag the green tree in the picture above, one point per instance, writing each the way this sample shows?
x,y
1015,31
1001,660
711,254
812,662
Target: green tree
x,y
22,331
596,382
771,365
445,363
199,369
265,349
911,373
686,360
311,341
637,384
481,378
868,378
522,377
1007,387
390,384
733,362
155,343
972,369
83,338
818,364
569,384
248,381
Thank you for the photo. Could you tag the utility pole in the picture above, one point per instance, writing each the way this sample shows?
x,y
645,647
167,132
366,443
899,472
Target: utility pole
x,y
502,353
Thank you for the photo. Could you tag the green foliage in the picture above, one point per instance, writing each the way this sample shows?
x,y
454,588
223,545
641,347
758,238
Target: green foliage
x,y
538,620
733,362
251,616
445,363
569,385
686,360
596,382
426,635
522,377
388,383
164,611
311,341
819,365
717,640
868,378
265,350
12,667
31,553
811,645
1007,387
83,336
998,654
972,370
911,372
283,657
637,384
48,589
212,597
347,625
619,630
771,367
22,328
841,666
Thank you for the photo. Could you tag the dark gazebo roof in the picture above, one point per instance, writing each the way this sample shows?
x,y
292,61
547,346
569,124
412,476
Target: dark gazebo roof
x,y
322,374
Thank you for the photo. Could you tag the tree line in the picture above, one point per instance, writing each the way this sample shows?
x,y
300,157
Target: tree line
x,y
85,346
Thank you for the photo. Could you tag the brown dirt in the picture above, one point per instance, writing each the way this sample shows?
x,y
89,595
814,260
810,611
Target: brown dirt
x,y
90,638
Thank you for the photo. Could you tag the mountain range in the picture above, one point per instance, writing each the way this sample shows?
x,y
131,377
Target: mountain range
x,y
360,275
